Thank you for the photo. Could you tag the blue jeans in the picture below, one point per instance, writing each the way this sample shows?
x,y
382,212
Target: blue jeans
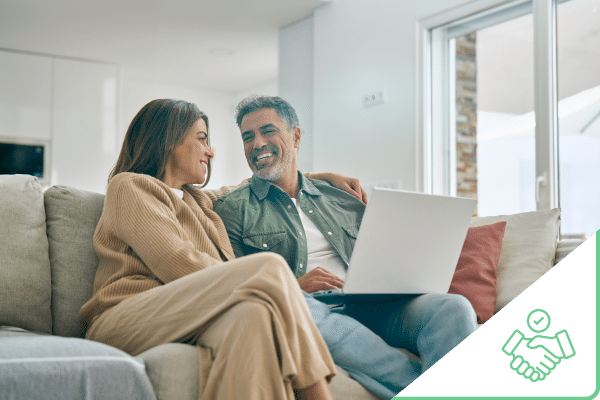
x,y
362,339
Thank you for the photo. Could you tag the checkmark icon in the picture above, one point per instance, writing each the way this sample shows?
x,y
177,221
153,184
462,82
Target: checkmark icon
x,y
538,320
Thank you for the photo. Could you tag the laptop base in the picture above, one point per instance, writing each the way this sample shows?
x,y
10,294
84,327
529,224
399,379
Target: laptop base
x,y
335,297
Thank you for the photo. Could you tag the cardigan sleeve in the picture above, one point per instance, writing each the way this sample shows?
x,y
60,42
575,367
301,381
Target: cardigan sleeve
x,y
142,215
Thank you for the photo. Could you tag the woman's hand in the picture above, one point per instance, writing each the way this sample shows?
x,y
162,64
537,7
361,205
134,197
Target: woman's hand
x,y
350,185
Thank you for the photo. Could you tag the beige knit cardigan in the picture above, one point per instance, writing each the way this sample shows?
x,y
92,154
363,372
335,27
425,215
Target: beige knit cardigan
x,y
144,219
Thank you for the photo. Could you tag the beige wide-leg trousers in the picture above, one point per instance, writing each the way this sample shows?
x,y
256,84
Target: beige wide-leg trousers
x,y
255,335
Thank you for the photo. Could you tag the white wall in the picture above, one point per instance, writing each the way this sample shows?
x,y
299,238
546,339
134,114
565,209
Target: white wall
x,y
269,88
296,81
361,47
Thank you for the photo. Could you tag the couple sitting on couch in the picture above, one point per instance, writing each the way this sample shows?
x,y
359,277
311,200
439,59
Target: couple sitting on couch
x,y
168,271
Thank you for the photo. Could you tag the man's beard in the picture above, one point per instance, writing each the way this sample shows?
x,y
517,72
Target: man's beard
x,y
275,171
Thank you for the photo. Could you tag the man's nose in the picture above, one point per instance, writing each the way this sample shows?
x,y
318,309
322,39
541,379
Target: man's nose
x,y
259,141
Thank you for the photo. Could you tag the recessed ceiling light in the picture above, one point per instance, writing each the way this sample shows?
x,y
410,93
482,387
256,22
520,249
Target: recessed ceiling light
x,y
221,51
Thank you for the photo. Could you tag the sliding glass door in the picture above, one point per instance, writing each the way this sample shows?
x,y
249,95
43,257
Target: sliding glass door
x,y
578,75
503,150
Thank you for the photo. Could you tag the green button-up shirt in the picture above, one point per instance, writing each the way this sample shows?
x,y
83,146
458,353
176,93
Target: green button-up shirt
x,y
262,217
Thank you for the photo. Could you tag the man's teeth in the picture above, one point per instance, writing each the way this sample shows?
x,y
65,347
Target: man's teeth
x,y
263,156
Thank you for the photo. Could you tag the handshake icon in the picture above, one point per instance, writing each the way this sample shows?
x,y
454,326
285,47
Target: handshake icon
x,y
534,358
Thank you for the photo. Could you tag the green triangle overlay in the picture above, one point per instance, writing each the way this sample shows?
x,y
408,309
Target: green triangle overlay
x,y
479,369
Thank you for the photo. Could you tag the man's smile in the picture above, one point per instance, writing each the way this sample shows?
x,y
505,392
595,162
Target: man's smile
x,y
264,157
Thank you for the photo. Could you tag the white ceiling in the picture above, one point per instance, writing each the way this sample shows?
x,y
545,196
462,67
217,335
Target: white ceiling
x,y
168,41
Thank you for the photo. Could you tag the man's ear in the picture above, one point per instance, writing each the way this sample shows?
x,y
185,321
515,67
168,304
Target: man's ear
x,y
297,137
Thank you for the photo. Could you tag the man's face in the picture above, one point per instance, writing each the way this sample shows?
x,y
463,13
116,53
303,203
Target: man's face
x,y
271,149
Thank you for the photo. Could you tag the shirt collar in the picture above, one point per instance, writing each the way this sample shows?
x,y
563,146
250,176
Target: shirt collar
x,y
261,187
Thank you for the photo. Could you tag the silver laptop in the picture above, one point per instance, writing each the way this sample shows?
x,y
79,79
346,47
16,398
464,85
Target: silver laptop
x,y
408,243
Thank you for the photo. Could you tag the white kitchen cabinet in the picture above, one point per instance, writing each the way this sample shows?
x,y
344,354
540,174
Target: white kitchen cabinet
x,y
25,96
84,123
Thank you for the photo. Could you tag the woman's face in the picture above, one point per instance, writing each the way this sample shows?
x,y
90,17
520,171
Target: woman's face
x,y
188,162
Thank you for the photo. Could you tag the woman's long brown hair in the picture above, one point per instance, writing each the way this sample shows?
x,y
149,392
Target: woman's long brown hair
x,y
159,127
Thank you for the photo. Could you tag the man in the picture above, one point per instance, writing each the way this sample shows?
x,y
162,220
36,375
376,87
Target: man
x,y
314,226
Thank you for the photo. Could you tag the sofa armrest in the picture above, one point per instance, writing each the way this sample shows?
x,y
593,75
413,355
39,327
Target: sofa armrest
x,y
42,366
564,247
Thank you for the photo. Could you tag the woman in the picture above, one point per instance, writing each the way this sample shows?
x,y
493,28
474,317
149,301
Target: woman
x,y
167,271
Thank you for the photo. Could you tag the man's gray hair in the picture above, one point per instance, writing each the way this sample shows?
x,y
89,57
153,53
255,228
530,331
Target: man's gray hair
x,y
254,103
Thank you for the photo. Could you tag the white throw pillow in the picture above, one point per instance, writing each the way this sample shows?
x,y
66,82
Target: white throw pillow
x,y
528,250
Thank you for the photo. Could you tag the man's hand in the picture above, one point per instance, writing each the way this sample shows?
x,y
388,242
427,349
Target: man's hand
x,y
350,185
319,279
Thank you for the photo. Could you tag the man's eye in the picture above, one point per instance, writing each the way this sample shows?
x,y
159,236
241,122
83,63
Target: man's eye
x,y
247,138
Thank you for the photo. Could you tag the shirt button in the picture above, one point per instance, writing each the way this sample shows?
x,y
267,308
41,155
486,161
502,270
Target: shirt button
x,y
310,212
329,233
300,233
289,206
264,245
301,265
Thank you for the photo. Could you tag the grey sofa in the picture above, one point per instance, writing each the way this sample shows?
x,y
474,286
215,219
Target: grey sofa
x,y
47,268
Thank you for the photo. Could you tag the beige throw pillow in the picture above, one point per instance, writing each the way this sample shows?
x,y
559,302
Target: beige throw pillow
x,y
72,216
528,250
24,264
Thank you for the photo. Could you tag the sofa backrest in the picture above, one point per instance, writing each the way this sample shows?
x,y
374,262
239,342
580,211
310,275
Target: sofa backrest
x,y
48,263
24,264
71,219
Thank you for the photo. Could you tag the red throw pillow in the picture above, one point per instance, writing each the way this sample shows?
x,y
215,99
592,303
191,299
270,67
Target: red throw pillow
x,y
475,275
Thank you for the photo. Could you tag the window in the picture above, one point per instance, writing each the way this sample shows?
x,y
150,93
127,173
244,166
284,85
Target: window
x,y
498,118
578,93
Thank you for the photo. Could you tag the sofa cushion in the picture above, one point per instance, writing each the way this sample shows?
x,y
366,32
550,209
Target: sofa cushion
x,y
71,218
39,366
174,368
344,387
24,266
475,275
528,250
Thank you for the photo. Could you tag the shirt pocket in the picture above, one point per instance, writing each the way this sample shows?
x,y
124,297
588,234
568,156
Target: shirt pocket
x,y
351,231
264,241
349,239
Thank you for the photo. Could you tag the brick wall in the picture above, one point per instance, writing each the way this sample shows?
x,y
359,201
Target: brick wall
x,y
466,116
